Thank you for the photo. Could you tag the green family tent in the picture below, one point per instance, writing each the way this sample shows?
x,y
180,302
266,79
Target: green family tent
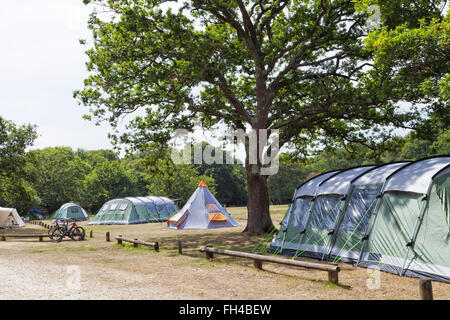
x,y
394,217
9,218
132,210
71,211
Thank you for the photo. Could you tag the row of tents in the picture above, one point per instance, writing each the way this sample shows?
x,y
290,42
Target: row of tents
x,y
201,211
394,217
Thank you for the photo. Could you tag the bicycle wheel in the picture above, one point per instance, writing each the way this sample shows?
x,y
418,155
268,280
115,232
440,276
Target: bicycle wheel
x,y
50,232
77,233
57,235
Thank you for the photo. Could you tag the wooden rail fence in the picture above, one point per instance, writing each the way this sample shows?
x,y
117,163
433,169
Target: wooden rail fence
x,y
332,269
23,235
137,242
44,224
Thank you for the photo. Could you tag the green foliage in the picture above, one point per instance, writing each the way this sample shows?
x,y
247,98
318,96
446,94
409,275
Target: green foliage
x,y
290,175
15,191
178,182
58,175
108,180
230,181
165,178
13,143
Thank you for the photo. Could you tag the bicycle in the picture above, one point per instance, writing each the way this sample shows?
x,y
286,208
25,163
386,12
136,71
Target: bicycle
x,y
58,231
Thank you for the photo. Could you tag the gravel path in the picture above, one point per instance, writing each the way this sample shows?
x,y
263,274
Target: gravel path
x,y
23,278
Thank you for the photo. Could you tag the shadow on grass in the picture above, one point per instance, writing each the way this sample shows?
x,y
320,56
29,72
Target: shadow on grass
x,y
191,243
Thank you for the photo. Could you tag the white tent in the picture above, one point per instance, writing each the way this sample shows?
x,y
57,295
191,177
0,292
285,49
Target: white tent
x,y
9,218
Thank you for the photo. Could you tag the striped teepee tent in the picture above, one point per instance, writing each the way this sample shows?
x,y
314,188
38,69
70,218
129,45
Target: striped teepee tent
x,y
201,211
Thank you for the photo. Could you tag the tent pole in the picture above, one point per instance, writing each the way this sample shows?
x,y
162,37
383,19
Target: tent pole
x,y
424,203
334,225
354,230
321,223
302,233
294,201
371,223
337,223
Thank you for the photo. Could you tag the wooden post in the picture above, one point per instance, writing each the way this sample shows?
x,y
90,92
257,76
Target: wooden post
x,y
333,276
156,246
119,241
209,255
108,236
426,289
91,234
257,264
180,247
135,244
40,238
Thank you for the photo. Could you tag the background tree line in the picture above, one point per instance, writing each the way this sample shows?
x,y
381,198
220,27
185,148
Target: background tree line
x,y
47,178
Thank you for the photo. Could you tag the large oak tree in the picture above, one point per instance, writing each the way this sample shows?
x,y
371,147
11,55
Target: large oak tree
x,y
298,66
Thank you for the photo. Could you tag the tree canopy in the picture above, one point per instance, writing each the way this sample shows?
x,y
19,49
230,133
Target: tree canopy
x,y
297,66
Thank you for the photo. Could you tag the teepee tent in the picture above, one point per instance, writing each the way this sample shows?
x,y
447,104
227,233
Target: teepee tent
x,y
71,211
133,210
410,232
296,218
201,211
9,218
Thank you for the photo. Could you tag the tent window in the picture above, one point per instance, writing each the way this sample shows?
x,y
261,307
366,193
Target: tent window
x,y
301,211
74,210
162,208
360,207
113,207
123,206
326,210
172,208
151,208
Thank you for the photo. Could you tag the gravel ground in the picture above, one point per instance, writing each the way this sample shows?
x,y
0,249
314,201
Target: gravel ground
x,y
26,279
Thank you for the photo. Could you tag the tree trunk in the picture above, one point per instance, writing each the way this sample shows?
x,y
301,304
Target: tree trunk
x,y
259,221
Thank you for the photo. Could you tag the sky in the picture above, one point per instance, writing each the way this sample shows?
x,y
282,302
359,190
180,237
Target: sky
x,y
41,64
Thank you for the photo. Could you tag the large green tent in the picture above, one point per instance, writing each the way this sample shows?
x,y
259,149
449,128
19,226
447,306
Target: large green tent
x,y
394,217
132,210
